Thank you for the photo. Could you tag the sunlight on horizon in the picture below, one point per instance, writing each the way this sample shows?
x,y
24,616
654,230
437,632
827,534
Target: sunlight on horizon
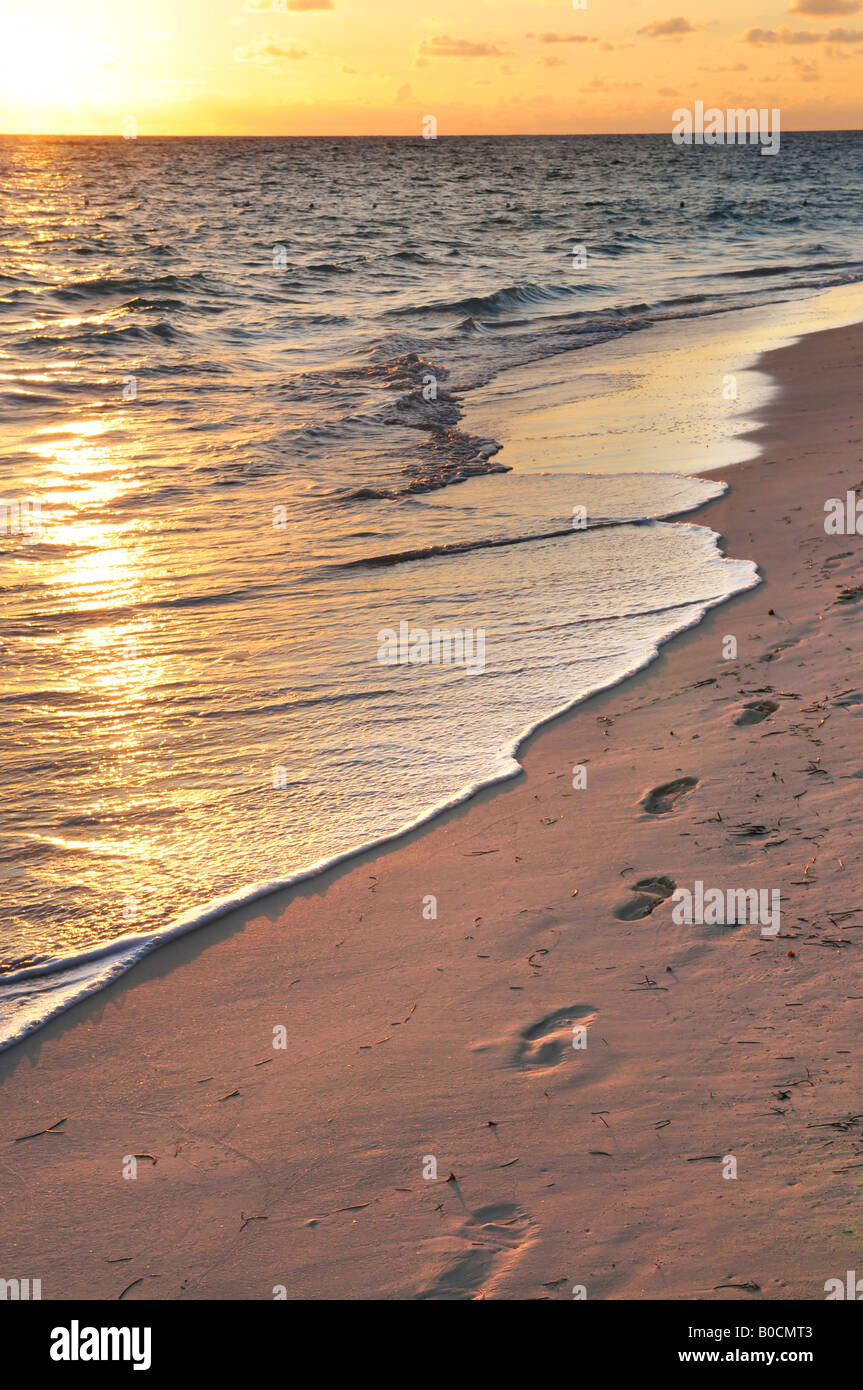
x,y
48,64
270,67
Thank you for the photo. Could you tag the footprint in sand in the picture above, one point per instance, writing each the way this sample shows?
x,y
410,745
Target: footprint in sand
x,y
852,595
778,650
546,1043
492,1238
647,893
755,711
663,799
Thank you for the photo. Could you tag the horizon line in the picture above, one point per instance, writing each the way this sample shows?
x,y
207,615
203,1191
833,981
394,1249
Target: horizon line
x,y
383,135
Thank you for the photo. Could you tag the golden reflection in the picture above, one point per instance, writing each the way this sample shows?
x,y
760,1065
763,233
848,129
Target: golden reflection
x,y
81,429
81,474
94,560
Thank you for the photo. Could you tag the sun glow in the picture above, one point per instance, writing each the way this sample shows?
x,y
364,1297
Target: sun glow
x,y
356,67
48,63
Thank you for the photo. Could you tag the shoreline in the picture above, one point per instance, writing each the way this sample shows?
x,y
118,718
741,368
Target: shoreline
x,y
108,961
484,1243
111,955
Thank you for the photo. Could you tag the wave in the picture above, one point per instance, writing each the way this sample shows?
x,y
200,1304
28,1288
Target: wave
x,y
39,992
485,315
710,491
131,285
765,271
510,297
430,552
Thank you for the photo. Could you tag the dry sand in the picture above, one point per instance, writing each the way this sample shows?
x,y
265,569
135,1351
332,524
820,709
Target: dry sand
x,y
406,1037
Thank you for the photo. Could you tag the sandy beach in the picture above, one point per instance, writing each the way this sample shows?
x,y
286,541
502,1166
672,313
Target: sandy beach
x,y
424,1037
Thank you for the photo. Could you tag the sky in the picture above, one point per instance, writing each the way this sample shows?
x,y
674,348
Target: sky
x,y
364,67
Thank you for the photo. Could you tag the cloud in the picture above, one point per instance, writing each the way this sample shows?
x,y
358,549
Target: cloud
x,y
780,36
669,28
807,72
564,38
283,6
266,49
802,36
551,60
445,47
735,67
599,84
825,6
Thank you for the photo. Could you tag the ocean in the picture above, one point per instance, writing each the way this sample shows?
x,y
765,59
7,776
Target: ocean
x,y
237,380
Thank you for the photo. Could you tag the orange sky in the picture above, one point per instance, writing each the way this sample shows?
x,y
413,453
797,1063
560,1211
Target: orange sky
x,y
357,67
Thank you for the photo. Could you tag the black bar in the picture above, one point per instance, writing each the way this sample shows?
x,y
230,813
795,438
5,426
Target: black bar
x,y
614,1337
